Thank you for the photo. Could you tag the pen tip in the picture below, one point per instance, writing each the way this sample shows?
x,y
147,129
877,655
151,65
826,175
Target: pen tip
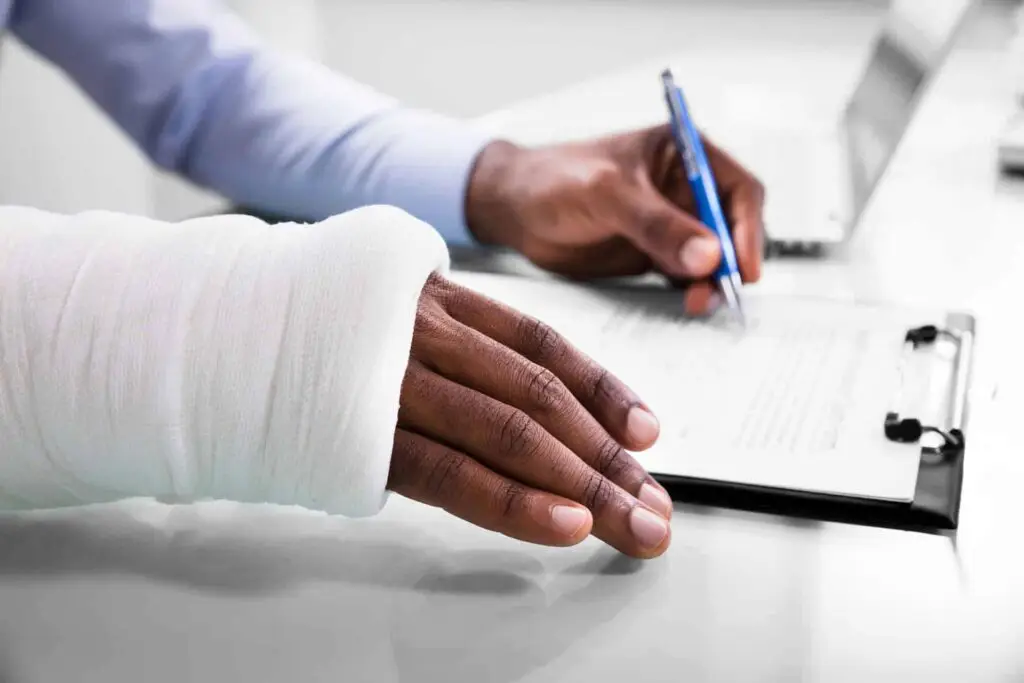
x,y
741,314
730,289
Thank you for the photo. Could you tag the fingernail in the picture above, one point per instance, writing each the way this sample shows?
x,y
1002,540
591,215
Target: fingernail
x,y
568,520
648,528
642,426
698,255
656,499
714,302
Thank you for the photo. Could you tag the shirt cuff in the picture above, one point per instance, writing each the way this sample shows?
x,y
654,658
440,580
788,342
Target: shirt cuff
x,y
428,168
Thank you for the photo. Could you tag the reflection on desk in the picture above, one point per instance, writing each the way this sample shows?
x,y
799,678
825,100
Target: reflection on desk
x,y
416,591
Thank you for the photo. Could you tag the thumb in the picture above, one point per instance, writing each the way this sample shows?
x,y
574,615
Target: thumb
x,y
676,241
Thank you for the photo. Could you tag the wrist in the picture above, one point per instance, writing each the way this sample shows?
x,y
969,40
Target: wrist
x,y
490,203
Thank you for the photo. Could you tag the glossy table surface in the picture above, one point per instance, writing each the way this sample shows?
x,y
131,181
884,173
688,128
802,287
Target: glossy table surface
x,y
142,591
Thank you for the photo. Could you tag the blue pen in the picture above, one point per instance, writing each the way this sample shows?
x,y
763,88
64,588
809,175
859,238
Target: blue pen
x,y
702,183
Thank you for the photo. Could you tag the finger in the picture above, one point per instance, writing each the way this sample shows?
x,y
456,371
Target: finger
x,y
746,210
725,167
677,242
436,475
508,441
701,298
616,408
473,360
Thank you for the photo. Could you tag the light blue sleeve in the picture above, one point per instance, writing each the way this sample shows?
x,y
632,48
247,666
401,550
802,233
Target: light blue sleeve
x,y
205,98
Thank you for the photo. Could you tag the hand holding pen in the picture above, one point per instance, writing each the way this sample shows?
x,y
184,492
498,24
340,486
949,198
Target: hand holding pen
x,y
616,206
699,174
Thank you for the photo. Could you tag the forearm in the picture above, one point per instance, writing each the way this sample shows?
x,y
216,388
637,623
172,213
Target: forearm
x,y
215,358
203,97
284,136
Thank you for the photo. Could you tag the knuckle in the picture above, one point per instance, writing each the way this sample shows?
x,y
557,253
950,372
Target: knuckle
x,y
438,286
414,388
517,434
408,455
611,460
656,229
429,322
604,177
597,494
442,475
544,389
458,297
434,281
514,499
602,385
757,188
441,295
540,340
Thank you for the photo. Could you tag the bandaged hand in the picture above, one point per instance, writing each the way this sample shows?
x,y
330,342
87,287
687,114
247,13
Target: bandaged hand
x,y
312,365
506,425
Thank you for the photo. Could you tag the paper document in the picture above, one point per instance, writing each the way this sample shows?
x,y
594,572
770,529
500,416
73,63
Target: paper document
x,y
795,401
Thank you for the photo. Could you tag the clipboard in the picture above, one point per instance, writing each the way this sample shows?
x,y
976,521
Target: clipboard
x,y
935,505
936,502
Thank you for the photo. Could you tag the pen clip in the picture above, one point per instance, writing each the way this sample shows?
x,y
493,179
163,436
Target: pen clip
x,y
677,108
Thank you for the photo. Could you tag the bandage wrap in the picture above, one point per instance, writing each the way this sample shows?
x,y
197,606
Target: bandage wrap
x,y
216,358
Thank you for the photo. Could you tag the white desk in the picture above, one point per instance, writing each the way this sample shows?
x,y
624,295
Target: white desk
x,y
139,591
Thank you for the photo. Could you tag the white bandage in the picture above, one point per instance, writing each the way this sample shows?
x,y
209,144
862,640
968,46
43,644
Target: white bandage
x,y
215,358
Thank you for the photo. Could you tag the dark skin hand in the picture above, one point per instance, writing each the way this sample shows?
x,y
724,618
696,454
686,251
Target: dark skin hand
x,y
615,206
506,425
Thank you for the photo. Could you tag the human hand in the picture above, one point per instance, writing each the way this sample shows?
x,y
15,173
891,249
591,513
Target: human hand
x,y
615,206
506,425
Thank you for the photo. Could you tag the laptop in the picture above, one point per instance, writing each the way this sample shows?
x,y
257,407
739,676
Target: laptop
x,y
821,174
1011,138
1011,143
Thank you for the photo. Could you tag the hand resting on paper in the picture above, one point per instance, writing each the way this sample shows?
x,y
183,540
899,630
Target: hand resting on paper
x,y
504,424
612,207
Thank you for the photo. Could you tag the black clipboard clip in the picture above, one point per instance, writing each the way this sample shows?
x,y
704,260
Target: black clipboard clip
x,y
935,504
910,429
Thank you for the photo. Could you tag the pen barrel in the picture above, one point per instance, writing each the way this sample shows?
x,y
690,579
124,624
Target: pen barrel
x,y
702,181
